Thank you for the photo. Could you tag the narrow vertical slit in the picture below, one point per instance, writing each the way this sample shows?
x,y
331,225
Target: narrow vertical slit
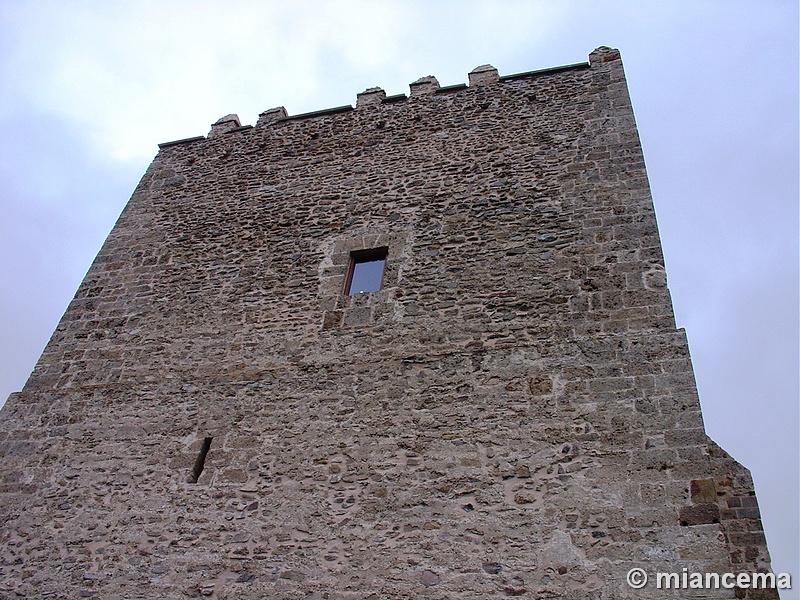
x,y
201,460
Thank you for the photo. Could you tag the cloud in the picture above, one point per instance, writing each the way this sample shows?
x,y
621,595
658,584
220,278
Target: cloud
x,y
131,73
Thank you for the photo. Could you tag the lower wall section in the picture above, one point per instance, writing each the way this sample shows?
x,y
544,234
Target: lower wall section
x,y
492,474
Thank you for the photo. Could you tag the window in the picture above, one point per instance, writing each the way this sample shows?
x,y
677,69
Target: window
x,y
366,271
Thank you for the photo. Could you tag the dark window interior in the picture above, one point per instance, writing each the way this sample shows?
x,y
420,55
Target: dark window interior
x,y
201,460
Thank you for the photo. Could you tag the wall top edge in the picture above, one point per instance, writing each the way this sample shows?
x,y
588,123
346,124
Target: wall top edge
x,y
481,76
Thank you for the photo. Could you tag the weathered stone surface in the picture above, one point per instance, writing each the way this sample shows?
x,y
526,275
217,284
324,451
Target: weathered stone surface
x,y
703,491
700,514
513,413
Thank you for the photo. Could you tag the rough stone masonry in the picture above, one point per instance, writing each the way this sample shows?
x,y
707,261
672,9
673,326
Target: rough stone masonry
x,y
512,414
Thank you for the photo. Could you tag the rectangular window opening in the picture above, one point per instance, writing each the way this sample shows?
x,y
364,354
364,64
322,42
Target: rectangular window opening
x,y
366,271
201,460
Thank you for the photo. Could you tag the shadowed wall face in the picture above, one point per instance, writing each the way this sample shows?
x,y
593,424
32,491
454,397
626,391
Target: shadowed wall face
x,y
506,409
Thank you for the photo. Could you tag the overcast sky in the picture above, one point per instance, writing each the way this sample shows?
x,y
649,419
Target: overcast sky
x,y
87,90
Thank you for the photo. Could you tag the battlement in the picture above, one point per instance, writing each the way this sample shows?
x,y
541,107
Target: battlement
x,y
481,77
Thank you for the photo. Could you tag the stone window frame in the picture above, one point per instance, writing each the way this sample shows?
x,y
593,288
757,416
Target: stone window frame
x,y
342,310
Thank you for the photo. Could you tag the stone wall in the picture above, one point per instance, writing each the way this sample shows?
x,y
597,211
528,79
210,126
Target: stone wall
x,y
512,414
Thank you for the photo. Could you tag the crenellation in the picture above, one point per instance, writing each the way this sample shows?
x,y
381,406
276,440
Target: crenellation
x,y
451,88
483,75
320,113
164,145
271,116
223,125
424,86
393,99
371,96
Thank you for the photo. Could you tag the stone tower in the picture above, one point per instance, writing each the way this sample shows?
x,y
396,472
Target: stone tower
x,y
419,348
